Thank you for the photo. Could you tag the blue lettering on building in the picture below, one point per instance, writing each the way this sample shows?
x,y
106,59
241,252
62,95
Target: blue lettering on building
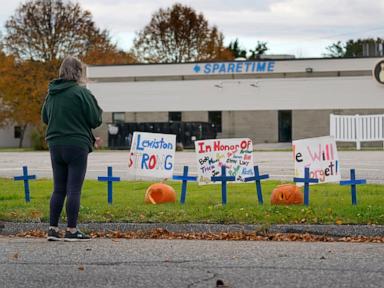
x,y
261,66
235,67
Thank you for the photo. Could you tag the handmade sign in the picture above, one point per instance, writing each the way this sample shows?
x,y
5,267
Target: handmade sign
x,y
235,154
320,156
152,155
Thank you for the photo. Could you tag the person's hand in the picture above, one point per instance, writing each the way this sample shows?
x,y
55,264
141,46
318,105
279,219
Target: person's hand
x,y
98,142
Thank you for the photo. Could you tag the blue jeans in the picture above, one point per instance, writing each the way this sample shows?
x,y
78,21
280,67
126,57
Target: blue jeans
x,y
69,164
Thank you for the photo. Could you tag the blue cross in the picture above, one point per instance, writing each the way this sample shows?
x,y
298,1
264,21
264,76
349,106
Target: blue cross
x,y
26,179
353,182
306,180
224,179
110,179
257,179
185,178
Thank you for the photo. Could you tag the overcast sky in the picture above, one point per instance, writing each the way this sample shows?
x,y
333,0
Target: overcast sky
x,y
300,27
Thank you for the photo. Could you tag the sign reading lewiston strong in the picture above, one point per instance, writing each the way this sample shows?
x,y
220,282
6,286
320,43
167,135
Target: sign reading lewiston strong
x,y
235,154
320,156
152,155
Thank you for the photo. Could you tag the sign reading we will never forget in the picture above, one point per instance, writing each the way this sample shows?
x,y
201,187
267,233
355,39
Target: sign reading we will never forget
x,y
320,156
152,155
235,154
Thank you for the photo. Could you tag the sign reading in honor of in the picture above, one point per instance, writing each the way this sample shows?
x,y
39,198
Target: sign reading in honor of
x,y
378,72
235,67
235,154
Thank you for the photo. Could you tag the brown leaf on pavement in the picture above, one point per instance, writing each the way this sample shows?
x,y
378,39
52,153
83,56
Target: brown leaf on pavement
x,y
81,268
160,233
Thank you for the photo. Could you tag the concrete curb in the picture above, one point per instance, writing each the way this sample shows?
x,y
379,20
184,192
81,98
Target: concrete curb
x,y
9,228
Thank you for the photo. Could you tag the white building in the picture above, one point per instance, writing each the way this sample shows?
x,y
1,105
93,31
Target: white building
x,y
10,136
266,100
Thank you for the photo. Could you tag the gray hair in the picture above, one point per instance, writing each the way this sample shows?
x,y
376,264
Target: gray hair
x,y
71,69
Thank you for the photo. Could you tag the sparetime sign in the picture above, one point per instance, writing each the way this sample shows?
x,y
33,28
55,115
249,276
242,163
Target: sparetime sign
x,y
235,67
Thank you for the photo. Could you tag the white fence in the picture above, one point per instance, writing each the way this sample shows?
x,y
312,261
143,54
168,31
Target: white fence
x,y
357,128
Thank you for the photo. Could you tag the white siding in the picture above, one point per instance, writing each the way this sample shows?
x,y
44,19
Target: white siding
x,y
361,92
7,138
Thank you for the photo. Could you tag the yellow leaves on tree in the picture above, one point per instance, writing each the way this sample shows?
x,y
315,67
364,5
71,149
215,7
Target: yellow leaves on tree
x,y
38,36
23,86
108,57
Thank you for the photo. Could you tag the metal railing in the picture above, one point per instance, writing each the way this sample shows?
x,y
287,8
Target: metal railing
x,y
357,128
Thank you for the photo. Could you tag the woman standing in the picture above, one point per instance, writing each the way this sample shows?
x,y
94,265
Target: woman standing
x,y
70,111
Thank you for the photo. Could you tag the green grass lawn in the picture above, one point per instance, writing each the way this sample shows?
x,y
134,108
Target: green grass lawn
x,y
329,203
13,149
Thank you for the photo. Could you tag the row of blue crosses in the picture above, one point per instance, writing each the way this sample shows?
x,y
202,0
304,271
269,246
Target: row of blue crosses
x,y
223,179
257,179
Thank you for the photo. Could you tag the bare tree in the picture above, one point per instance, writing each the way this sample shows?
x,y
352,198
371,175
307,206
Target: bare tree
x,y
179,34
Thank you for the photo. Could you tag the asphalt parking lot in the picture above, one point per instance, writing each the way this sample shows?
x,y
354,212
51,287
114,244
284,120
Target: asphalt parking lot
x,y
188,263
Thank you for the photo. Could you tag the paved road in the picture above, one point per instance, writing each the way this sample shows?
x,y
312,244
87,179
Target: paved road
x,y
185,263
368,164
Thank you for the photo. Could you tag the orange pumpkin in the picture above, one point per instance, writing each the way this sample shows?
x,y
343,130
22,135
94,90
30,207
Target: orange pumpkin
x,y
287,194
160,193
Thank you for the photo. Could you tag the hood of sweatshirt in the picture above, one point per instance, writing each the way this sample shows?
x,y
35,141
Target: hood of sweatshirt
x,y
59,85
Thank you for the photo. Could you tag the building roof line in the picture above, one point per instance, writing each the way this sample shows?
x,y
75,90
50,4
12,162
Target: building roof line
x,y
319,74
230,61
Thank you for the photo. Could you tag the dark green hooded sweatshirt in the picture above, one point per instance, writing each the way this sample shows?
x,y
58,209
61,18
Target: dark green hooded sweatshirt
x,y
70,111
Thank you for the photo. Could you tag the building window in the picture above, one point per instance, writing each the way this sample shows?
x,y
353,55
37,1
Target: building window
x,y
118,117
174,116
17,132
214,117
285,125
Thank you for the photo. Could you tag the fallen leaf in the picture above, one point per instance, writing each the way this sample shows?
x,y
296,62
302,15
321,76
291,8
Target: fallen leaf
x,y
235,236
